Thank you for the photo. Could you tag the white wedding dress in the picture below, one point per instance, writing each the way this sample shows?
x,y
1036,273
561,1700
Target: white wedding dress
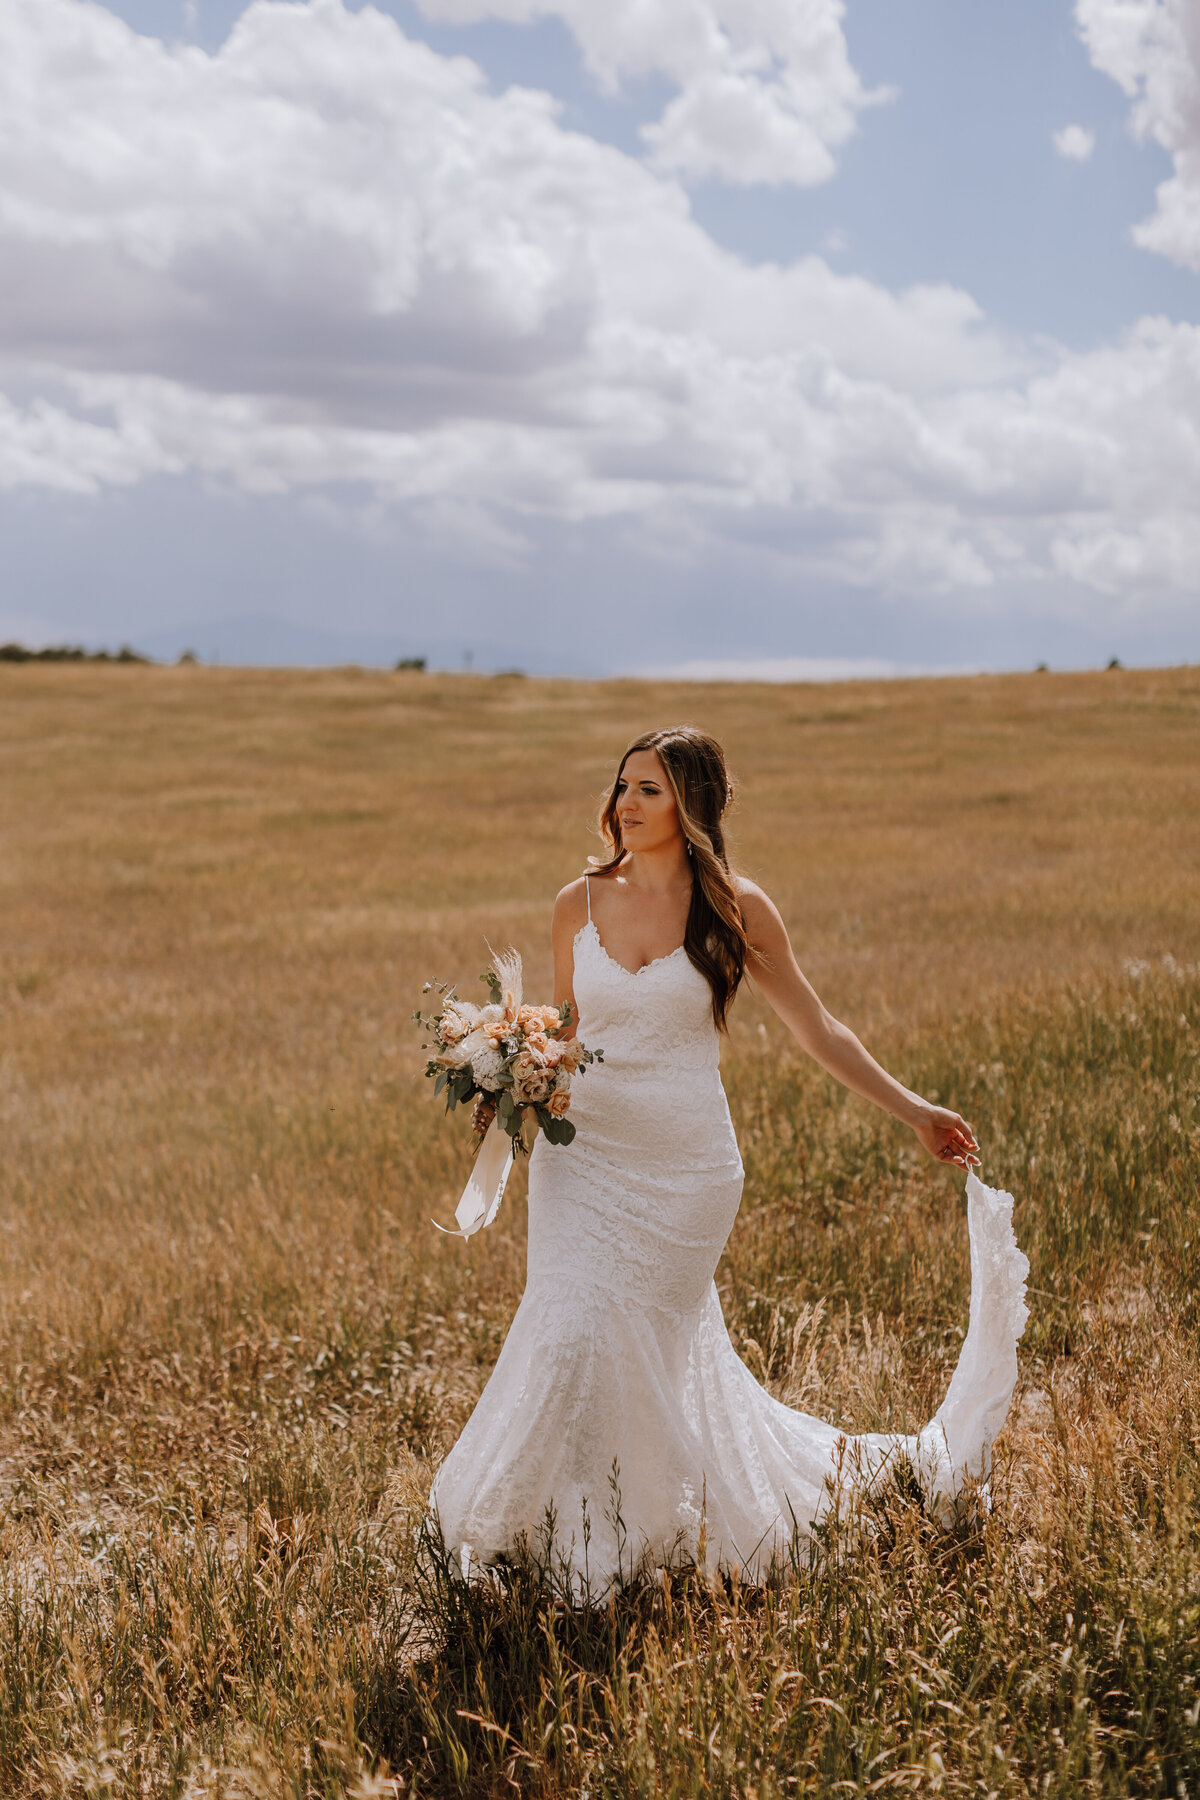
x,y
617,1400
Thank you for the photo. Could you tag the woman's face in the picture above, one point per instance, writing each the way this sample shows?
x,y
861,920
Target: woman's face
x,y
646,806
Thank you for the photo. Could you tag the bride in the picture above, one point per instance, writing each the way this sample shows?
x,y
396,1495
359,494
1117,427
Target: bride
x,y
619,1419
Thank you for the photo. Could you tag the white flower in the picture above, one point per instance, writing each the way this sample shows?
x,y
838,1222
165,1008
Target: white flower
x,y
487,1063
489,1079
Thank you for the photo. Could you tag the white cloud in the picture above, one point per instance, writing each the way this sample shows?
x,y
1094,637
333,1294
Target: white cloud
x,y
42,445
1152,49
767,91
1075,142
327,261
331,209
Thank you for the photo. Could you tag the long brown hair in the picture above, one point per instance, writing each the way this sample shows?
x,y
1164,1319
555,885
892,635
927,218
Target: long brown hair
x,y
715,940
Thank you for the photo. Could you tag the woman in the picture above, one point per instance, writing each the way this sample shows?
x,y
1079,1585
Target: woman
x,y
618,1405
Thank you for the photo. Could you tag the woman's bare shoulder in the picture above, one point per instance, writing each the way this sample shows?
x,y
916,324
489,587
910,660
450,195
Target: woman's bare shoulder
x,y
576,892
760,915
751,897
572,900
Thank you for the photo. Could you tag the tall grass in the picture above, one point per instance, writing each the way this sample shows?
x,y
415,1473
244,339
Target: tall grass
x,y
233,1347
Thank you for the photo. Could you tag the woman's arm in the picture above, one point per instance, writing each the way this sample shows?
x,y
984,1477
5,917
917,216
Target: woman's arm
x,y
773,966
570,914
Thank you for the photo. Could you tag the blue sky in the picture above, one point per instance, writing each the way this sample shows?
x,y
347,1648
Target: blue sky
x,y
322,348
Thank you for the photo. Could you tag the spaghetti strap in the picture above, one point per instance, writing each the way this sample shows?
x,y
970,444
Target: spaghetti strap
x,y
587,882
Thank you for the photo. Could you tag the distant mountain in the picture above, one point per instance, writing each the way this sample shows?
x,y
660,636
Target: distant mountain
x,y
259,641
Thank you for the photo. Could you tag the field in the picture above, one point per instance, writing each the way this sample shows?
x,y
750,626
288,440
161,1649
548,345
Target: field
x,y
232,1346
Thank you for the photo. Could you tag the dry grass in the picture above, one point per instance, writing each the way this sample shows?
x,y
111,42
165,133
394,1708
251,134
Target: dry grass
x,y
232,1344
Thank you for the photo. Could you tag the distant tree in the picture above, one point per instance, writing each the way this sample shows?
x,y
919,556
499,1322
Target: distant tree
x,y
57,653
416,663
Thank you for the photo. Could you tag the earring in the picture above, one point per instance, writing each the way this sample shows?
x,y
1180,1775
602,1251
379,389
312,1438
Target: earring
x,y
689,849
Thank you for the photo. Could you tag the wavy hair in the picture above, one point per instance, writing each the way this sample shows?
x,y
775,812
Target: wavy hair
x,y
715,939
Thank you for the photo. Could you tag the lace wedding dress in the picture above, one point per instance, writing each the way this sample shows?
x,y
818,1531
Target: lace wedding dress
x,y
618,1401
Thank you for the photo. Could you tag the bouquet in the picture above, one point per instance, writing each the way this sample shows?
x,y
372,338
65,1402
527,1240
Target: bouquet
x,y
513,1065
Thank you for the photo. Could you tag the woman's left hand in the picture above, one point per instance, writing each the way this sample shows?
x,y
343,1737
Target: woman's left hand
x,y
947,1137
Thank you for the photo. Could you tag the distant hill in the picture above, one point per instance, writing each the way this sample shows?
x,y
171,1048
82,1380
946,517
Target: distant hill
x,y
257,640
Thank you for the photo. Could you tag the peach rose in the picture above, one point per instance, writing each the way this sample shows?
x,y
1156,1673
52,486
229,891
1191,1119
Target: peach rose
x,y
539,1019
452,1027
570,1053
532,1081
559,1104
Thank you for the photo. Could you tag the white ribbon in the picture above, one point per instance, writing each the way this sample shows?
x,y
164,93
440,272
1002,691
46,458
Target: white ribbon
x,y
484,1191
494,1159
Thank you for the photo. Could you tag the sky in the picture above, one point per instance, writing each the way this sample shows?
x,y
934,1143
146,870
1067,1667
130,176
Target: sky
x,y
774,338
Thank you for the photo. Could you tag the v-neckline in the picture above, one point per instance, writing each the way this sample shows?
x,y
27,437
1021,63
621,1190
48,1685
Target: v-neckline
x,y
633,974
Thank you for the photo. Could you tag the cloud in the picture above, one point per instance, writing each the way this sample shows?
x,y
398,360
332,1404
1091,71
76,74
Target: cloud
x,y
766,92
42,445
327,262
330,210
1075,142
1151,48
